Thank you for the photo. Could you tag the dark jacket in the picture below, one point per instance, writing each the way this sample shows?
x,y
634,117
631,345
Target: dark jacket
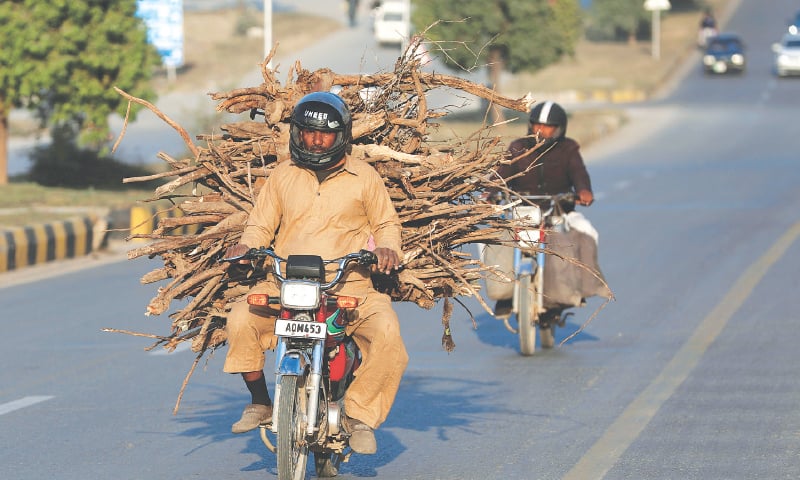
x,y
559,170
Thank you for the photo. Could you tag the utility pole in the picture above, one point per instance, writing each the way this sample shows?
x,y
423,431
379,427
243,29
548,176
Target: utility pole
x,y
656,6
268,30
656,34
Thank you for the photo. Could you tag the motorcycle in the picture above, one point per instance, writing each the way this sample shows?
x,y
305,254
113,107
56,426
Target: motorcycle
x,y
704,34
314,361
529,263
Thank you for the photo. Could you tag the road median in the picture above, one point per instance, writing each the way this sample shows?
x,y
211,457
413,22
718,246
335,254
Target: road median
x,y
46,242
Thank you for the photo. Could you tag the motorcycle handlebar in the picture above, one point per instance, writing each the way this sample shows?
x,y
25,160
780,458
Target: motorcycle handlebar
x,y
555,199
558,197
362,257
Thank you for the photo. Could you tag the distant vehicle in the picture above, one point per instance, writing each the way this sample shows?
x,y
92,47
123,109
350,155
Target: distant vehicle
x,y
787,55
392,24
724,53
704,34
794,25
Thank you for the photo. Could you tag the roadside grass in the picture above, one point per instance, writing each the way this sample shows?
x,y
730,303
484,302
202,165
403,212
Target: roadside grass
x,y
25,203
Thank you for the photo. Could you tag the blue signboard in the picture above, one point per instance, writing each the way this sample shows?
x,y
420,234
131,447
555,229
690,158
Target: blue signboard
x,y
164,20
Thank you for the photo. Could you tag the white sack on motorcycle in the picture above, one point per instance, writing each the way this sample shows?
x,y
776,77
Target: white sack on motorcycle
x,y
566,283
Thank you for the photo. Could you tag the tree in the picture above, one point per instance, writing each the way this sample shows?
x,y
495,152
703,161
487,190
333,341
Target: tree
x,y
61,58
614,19
518,35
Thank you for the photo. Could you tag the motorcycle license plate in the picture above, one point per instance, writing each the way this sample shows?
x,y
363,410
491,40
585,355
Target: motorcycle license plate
x,y
293,328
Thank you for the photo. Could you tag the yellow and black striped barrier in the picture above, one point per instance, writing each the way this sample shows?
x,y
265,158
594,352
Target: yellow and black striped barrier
x,y
24,246
144,220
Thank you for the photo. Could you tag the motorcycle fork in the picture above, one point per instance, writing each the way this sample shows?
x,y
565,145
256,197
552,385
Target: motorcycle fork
x,y
312,387
280,352
539,276
293,365
524,266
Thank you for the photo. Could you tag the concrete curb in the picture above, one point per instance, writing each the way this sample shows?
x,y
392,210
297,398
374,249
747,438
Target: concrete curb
x,y
591,98
46,242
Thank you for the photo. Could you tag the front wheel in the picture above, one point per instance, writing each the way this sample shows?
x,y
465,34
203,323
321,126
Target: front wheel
x,y
526,320
292,445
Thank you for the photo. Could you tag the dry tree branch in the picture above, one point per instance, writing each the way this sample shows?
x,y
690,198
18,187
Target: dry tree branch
x,y
434,186
187,140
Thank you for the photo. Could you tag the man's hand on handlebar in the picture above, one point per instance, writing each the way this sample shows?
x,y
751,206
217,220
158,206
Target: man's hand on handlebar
x,y
388,260
236,251
585,198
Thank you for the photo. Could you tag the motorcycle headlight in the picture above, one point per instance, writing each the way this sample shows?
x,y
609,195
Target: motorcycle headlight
x,y
529,214
300,294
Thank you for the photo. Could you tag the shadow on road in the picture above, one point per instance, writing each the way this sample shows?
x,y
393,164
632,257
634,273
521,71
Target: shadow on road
x,y
492,331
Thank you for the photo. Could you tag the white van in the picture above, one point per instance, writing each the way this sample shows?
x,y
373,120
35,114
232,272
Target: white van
x,y
392,24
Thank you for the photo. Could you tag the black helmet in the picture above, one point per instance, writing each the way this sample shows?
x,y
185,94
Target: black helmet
x,y
326,112
550,113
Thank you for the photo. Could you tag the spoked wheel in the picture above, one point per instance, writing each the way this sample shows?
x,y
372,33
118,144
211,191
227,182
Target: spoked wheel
x,y
292,446
526,320
327,464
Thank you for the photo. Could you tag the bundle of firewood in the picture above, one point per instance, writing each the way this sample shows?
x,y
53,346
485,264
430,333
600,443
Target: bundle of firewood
x,y
435,188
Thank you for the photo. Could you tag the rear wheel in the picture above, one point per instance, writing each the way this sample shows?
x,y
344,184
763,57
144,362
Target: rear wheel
x,y
526,308
292,447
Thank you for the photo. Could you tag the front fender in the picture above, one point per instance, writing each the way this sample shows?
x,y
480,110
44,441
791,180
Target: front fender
x,y
291,364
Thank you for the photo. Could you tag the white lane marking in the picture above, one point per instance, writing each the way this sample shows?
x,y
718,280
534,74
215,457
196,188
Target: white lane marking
x,y
182,347
23,402
603,455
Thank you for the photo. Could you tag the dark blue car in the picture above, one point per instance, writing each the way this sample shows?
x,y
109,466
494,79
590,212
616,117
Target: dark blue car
x,y
724,53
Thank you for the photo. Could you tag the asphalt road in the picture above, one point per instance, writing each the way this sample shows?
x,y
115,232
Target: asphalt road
x,y
689,374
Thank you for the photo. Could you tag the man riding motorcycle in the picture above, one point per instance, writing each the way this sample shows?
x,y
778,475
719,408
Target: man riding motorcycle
x,y
708,28
554,167
326,203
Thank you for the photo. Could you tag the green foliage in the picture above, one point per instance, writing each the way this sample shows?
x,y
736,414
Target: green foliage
x,y
618,20
528,34
61,58
64,164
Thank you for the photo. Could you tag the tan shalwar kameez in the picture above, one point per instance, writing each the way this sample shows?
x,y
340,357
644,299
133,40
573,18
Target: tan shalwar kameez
x,y
330,219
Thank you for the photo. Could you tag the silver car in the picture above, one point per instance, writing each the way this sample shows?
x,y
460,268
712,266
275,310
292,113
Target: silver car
x,y
787,55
